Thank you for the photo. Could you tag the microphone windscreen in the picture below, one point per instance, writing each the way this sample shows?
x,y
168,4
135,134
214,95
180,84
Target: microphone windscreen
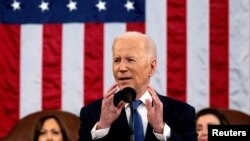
x,y
117,97
127,95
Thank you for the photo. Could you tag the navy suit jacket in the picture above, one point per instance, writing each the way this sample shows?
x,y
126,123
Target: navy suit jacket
x,y
179,116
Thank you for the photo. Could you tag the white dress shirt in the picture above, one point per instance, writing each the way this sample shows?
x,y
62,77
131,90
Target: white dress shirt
x,y
97,134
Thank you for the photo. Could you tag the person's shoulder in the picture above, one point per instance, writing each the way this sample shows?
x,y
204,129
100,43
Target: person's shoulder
x,y
177,108
176,104
93,105
91,110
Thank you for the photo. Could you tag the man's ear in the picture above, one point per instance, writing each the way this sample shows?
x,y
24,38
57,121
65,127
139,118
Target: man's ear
x,y
153,65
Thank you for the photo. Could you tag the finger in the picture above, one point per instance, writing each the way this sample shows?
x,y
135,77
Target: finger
x,y
111,90
155,98
152,93
109,100
121,105
148,104
110,94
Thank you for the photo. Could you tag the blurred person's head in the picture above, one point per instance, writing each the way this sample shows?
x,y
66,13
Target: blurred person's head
x,y
208,116
50,128
134,61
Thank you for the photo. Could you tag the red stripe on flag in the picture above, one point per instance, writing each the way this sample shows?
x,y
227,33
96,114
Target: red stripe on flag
x,y
93,62
9,76
219,50
176,49
52,66
140,27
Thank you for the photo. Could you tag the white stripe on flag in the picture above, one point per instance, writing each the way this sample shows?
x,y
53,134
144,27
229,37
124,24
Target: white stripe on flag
x,y
156,28
239,55
110,32
31,67
72,67
198,53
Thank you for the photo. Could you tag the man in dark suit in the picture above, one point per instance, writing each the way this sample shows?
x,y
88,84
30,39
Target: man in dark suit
x,y
163,118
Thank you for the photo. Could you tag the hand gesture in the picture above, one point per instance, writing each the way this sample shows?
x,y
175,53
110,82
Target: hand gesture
x,y
109,113
155,111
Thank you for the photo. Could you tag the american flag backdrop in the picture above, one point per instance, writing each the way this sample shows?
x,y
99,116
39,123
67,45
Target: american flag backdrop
x,y
56,54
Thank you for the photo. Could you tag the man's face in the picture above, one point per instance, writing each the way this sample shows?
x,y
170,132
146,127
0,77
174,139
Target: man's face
x,y
131,64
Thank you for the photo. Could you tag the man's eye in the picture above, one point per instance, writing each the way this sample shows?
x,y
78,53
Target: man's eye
x,y
116,60
131,60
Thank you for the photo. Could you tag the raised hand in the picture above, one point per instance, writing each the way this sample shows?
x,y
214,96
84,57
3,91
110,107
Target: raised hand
x,y
109,112
155,111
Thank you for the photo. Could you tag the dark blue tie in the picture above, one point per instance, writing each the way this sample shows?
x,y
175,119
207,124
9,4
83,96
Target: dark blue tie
x,y
138,126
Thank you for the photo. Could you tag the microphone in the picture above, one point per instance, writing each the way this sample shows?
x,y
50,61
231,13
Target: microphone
x,y
127,95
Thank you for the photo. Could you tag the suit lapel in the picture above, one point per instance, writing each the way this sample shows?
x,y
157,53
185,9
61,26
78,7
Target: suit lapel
x,y
120,127
149,132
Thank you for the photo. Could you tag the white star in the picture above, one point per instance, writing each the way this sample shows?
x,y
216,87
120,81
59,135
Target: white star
x,y
16,5
44,6
72,5
129,5
101,5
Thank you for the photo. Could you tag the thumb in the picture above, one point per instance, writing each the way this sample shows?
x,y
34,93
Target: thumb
x,y
120,105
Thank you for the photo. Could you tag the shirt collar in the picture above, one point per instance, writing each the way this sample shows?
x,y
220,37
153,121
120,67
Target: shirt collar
x,y
143,98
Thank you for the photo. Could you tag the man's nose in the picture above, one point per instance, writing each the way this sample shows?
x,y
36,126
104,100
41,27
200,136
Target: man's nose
x,y
123,66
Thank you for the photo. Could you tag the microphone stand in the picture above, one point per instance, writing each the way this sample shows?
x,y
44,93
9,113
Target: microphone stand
x,y
128,95
131,122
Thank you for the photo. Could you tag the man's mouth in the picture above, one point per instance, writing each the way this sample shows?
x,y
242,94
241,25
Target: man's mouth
x,y
124,78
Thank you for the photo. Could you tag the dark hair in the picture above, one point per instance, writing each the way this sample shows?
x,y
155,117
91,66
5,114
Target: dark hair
x,y
222,118
40,122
